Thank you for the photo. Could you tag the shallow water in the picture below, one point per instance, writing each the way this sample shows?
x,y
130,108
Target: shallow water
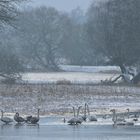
x,y
59,131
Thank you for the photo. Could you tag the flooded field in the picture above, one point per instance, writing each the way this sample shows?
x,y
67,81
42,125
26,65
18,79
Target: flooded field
x,y
60,131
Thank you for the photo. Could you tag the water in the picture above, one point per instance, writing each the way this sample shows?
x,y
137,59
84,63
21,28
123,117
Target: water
x,y
60,131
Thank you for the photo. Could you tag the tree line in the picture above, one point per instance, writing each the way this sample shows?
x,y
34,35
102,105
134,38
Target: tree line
x,y
40,39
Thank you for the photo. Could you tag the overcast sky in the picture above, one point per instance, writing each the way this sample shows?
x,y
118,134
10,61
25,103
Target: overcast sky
x,y
63,5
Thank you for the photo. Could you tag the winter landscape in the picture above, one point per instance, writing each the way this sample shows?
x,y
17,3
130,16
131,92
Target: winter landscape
x,y
56,98
69,70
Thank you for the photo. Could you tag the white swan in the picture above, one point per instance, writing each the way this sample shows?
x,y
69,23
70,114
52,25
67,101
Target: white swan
x,y
6,120
134,116
120,121
84,117
76,120
91,118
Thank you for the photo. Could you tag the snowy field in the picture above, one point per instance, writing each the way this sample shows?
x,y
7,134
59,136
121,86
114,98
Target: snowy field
x,y
58,99
71,77
74,75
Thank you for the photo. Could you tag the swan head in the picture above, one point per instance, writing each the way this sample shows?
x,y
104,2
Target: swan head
x,y
17,114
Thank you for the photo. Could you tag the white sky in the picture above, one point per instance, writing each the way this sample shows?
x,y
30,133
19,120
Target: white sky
x,y
63,5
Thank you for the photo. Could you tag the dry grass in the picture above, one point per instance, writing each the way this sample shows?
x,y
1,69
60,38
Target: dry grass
x,y
59,98
63,82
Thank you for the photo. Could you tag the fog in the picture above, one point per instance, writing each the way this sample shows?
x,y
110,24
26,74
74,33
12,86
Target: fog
x,y
62,5
70,62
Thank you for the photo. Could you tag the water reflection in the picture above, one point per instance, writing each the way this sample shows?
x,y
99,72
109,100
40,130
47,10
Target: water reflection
x,y
57,131
5,126
33,125
18,125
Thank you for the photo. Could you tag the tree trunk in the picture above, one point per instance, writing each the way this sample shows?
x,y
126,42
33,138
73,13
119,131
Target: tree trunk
x,y
123,69
136,79
127,75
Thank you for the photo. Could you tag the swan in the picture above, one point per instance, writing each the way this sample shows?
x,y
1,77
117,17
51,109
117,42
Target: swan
x,y
84,117
35,120
115,118
6,120
75,120
64,120
79,119
18,119
91,118
28,119
120,121
134,116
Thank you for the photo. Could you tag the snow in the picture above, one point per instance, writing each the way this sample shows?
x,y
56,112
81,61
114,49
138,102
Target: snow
x,y
59,99
74,74
73,77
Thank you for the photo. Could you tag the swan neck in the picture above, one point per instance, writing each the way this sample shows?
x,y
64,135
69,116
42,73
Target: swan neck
x,y
1,115
74,111
38,114
78,112
85,110
114,116
88,110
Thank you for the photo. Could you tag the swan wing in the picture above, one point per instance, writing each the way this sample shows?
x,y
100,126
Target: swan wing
x,y
34,120
6,120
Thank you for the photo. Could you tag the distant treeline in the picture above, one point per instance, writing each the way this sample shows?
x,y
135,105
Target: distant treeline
x,y
39,39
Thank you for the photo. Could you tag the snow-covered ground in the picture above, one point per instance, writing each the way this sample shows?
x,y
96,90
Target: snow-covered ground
x,y
74,74
71,77
59,99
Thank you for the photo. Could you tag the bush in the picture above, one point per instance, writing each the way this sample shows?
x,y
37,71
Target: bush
x,y
63,82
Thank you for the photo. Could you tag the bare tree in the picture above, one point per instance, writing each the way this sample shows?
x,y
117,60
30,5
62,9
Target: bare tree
x,y
10,65
41,34
75,46
8,10
114,31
